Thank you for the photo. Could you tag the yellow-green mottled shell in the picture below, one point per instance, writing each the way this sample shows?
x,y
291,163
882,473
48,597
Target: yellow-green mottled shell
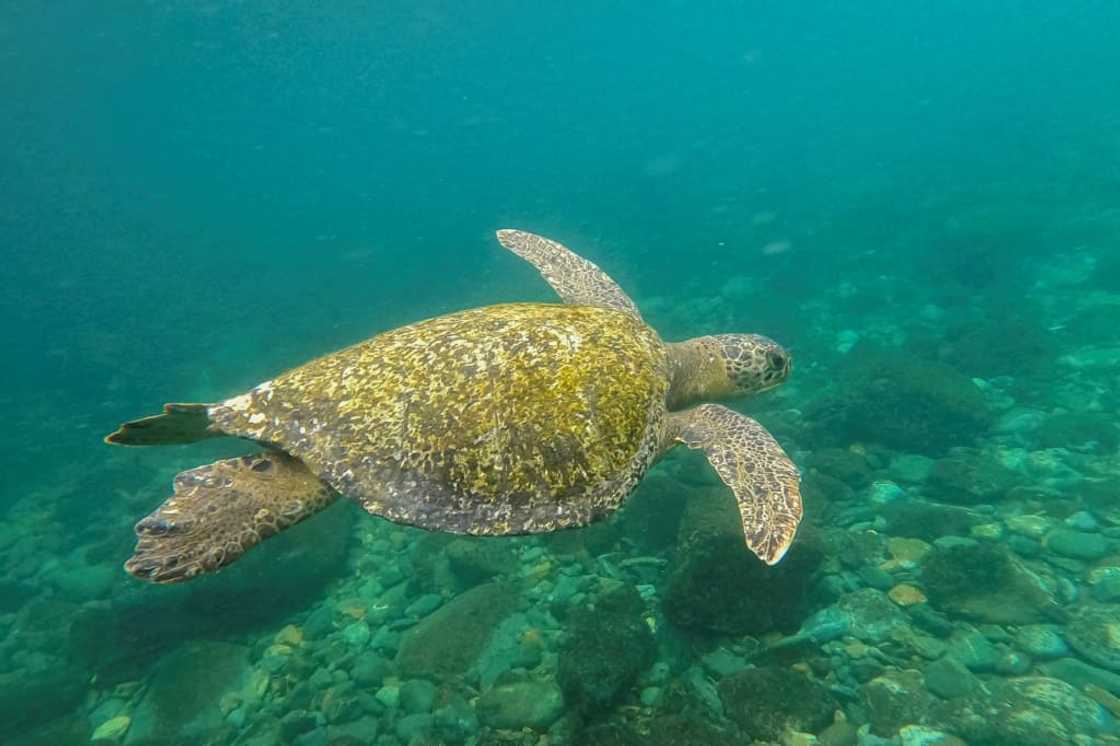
x,y
515,418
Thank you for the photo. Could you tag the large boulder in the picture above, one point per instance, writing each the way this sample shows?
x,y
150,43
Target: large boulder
x,y
986,583
901,402
970,479
607,645
182,700
448,642
717,586
767,702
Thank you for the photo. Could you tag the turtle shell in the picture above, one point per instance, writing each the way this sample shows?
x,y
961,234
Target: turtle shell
x,y
516,418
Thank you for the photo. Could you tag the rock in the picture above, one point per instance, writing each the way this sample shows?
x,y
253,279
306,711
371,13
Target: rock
x,y
290,635
27,700
843,464
1024,547
476,560
911,467
874,617
876,577
973,650
414,726
917,735
1094,632
389,695
970,480
905,594
417,696
313,737
369,669
928,521
361,732
456,720
1084,431
895,699
883,492
721,663
185,690
767,702
716,585
525,703
1012,663
1031,526
948,678
987,531
295,723
1081,674
1105,583
1026,711
356,633
651,516
899,401
606,648
986,583
1042,641
1082,520
840,733
424,605
447,642
112,730
1077,544
908,552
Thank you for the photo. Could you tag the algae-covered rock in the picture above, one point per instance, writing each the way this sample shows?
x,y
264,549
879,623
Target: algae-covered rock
x,y
514,703
447,642
1086,431
948,678
895,699
716,585
651,516
1031,711
1094,632
606,648
28,699
923,520
767,702
987,583
971,479
1081,545
901,402
182,700
475,560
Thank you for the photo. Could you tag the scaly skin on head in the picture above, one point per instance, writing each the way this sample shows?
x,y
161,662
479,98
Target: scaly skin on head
x,y
723,366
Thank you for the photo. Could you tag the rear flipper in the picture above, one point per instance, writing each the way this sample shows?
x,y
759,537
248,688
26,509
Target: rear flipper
x,y
222,509
179,423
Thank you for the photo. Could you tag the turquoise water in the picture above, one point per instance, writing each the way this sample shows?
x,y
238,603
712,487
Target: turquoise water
x,y
921,201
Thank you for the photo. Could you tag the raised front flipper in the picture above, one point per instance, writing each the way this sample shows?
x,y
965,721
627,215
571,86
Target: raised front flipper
x,y
222,509
749,461
575,279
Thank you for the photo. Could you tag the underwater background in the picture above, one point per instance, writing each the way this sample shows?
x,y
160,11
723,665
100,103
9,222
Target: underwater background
x,y
920,200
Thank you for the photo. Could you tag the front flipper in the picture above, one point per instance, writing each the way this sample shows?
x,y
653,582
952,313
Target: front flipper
x,y
575,280
221,510
754,466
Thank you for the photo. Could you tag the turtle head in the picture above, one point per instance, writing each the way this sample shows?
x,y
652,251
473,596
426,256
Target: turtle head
x,y
752,362
724,366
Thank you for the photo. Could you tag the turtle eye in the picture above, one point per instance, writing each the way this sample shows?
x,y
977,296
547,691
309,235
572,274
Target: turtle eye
x,y
777,361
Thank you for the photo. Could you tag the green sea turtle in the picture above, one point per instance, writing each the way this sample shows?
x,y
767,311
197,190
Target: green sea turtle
x,y
510,419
